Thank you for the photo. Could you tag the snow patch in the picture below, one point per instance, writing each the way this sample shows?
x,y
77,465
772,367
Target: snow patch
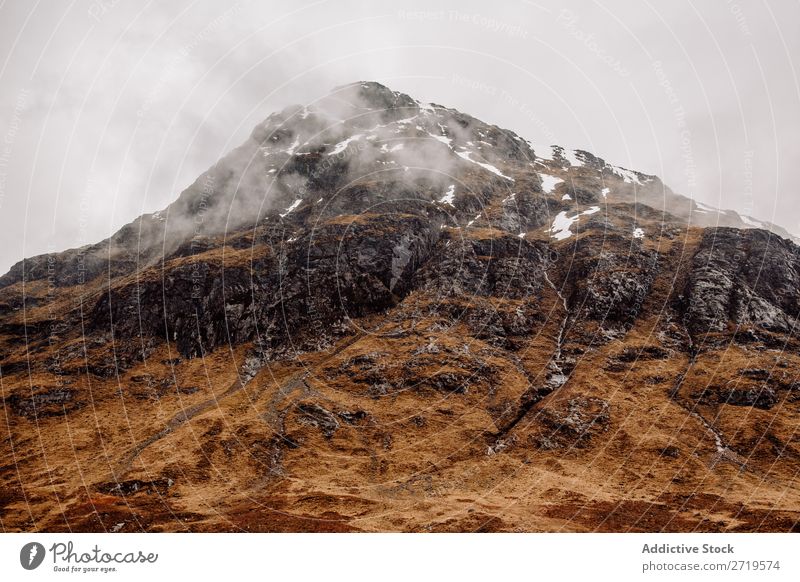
x,y
605,192
750,221
491,168
543,152
342,145
549,183
571,157
627,176
294,205
703,208
407,119
291,148
638,233
449,196
442,138
562,225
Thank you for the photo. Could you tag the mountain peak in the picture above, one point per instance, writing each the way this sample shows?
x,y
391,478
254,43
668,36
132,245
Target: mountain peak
x,y
373,304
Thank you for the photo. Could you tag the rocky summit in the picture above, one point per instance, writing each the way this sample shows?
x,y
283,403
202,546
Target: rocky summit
x,y
378,314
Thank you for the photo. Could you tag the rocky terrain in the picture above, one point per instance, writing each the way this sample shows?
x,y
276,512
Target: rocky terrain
x,y
383,315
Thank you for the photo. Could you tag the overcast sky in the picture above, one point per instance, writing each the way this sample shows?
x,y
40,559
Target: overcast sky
x,y
108,109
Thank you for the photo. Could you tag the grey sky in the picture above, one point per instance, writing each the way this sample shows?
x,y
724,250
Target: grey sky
x,y
108,109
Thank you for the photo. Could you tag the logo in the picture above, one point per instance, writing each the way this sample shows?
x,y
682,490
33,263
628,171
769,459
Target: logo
x,y
31,555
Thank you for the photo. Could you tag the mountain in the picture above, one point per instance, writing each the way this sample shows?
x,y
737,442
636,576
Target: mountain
x,y
383,315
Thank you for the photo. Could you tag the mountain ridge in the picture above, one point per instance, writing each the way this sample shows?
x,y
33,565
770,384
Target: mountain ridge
x,y
378,96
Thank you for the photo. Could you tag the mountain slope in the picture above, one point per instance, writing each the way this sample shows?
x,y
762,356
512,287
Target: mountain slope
x,y
382,315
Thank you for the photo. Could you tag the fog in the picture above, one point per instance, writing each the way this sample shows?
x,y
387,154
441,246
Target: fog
x,y
109,109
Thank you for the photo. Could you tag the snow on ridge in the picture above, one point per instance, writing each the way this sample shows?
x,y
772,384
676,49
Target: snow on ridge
x,y
704,208
549,153
407,119
485,166
561,228
750,221
539,148
628,176
549,183
571,157
442,138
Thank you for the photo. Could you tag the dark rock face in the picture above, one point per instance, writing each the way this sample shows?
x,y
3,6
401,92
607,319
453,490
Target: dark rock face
x,y
504,266
317,416
610,287
190,307
45,402
338,271
763,396
133,486
573,424
746,278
